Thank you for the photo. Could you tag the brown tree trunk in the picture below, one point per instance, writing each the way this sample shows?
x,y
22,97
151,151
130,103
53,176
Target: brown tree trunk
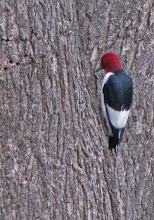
x,y
55,161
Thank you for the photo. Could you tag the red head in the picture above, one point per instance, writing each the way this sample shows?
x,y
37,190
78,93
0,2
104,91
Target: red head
x,y
110,62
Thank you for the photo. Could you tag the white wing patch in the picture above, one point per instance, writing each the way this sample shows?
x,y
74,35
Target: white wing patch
x,y
117,118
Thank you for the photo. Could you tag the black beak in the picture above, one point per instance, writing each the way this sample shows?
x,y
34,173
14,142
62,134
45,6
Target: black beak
x,y
98,68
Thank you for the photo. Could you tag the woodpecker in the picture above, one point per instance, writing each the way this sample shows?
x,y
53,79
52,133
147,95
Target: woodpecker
x,y
116,97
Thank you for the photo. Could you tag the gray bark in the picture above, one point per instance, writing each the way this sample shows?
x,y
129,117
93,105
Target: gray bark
x,y
54,157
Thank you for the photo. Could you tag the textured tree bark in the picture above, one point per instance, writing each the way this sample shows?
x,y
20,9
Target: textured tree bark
x,y
55,161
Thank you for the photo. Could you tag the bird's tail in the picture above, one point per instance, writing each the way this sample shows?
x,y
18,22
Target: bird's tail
x,y
113,141
121,132
116,138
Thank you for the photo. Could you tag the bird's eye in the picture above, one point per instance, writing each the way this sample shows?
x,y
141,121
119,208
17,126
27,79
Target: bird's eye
x,y
102,64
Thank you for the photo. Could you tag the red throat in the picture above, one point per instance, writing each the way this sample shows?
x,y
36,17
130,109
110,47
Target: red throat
x,y
110,62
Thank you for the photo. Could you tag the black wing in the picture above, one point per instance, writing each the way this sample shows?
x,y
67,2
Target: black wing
x,y
118,91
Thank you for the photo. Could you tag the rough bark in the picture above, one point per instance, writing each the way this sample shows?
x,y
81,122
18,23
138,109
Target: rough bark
x,y
55,162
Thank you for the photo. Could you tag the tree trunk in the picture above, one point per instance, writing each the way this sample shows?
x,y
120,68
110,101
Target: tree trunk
x,y
55,161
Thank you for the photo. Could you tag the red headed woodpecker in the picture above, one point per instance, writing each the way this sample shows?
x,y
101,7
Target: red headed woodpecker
x,y
116,97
